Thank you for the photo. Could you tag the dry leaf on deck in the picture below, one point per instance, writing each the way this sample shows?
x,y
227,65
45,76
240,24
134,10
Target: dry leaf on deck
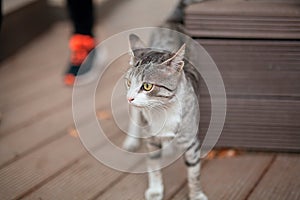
x,y
228,153
73,132
103,115
211,155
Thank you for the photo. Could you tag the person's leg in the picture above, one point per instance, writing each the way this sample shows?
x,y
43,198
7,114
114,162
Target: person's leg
x,y
0,14
81,13
82,41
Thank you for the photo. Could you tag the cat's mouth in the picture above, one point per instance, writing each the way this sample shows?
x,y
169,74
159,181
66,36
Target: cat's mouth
x,y
137,106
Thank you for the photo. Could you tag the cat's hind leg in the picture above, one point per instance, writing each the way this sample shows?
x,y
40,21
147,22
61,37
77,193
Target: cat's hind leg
x,y
193,163
155,189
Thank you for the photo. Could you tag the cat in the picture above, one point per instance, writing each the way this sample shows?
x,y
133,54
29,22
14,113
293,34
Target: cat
x,y
162,80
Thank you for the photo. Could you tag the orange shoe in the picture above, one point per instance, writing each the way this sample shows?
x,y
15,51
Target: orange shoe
x,y
80,46
69,79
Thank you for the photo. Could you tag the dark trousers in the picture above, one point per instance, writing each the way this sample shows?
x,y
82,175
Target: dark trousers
x,y
0,14
81,13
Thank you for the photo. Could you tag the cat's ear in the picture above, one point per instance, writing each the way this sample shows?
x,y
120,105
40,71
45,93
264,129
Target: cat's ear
x,y
176,61
135,42
136,48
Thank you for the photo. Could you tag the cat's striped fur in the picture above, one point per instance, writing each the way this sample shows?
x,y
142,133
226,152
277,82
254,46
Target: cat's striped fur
x,y
174,88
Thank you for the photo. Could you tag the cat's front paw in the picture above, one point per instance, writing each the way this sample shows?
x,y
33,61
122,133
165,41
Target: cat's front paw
x,y
154,193
131,144
199,196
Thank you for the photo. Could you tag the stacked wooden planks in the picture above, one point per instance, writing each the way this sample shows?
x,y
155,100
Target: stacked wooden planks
x,y
244,19
256,46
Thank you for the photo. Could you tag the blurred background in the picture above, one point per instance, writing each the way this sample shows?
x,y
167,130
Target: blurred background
x,y
256,46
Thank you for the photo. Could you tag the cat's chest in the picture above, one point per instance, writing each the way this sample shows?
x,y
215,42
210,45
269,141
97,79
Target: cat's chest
x,y
162,121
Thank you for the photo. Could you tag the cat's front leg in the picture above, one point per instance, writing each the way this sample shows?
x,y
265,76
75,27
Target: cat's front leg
x,y
154,193
133,141
131,144
155,189
192,161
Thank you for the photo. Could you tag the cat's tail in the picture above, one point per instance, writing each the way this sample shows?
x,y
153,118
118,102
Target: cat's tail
x,y
168,37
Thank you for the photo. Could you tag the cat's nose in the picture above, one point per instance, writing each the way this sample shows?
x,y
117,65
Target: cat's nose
x,y
130,99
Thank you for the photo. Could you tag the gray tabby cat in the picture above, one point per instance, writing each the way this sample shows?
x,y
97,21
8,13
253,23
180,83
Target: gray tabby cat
x,y
159,79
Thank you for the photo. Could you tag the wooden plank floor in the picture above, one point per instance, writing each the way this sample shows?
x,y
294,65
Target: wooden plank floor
x,y
40,160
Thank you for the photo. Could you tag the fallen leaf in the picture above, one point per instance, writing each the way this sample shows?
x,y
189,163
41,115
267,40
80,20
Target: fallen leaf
x,y
227,153
211,155
73,132
103,115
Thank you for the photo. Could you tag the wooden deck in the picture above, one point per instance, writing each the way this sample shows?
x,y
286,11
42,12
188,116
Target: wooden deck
x,y
40,158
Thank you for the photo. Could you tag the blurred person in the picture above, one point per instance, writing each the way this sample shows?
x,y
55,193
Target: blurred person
x,y
82,41
0,14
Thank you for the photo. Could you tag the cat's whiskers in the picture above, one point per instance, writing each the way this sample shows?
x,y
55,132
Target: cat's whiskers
x,y
120,94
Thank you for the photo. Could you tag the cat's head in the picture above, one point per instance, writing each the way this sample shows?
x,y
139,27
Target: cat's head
x,y
153,76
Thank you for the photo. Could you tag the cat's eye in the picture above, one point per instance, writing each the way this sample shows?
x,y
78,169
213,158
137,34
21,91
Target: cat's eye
x,y
128,82
147,86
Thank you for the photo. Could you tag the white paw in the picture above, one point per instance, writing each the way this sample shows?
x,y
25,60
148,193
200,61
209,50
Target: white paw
x,y
199,196
154,193
131,144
